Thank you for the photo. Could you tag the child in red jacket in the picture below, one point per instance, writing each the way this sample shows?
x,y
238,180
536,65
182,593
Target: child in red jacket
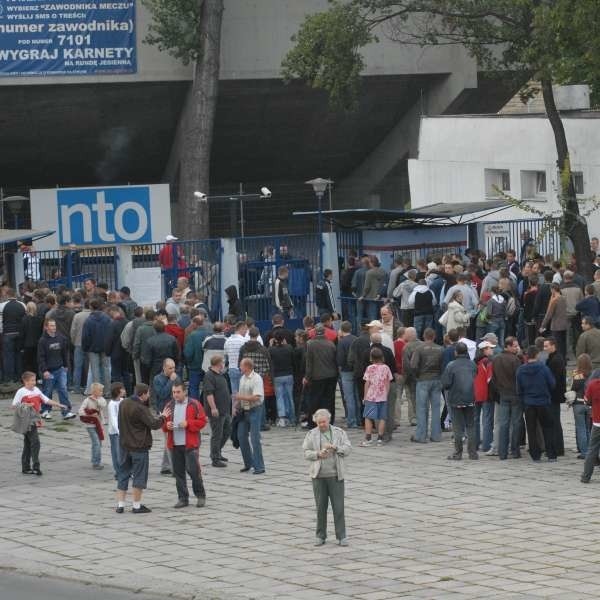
x,y
592,396
185,419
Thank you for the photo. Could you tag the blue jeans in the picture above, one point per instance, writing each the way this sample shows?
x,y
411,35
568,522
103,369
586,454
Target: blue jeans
x,y
57,381
484,432
234,377
115,451
284,394
581,412
498,327
11,357
429,394
421,323
100,368
195,380
96,445
78,363
372,309
510,419
350,397
249,427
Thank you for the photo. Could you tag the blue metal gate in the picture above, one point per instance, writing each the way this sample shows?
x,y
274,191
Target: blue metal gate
x,y
72,267
197,260
259,258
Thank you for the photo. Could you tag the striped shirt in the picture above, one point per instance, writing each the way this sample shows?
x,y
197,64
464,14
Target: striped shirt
x,y
232,348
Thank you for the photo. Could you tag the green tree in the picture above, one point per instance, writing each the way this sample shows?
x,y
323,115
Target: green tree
x,y
190,30
552,41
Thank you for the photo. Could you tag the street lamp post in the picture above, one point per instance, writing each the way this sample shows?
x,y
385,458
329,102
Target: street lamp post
x,y
319,186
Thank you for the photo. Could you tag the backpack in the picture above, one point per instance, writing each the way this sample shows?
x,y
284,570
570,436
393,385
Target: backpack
x,y
127,337
511,307
495,309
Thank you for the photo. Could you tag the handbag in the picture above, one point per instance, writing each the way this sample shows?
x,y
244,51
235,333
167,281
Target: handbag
x,y
443,320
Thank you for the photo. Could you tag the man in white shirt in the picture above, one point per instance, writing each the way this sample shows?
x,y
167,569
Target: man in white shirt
x,y
247,407
232,350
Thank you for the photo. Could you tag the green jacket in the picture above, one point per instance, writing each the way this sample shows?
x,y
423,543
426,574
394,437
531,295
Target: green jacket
x,y
192,351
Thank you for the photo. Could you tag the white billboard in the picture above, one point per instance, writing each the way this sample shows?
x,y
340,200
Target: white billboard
x,y
102,216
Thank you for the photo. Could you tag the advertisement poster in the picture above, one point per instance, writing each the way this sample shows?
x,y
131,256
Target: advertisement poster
x,y
42,37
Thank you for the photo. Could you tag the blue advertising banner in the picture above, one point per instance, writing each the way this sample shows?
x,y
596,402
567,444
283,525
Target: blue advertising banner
x,y
100,216
45,37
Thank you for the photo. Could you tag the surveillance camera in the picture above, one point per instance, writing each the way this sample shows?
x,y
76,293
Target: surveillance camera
x,y
200,196
266,192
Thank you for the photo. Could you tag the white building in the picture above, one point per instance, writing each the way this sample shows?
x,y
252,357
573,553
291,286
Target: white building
x,y
465,158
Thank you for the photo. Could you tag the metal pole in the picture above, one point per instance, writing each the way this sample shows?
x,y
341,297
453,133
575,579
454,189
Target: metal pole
x,y
242,216
320,197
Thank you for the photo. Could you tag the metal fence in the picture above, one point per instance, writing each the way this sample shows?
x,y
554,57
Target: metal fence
x,y
72,267
349,241
259,258
501,236
198,260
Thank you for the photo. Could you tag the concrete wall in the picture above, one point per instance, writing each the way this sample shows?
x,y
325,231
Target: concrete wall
x,y
256,36
454,153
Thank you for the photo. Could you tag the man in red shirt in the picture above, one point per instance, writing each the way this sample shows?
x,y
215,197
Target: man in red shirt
x,y
330,332
592,396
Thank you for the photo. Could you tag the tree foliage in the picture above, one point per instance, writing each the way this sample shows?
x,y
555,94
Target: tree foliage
x,y
175,27
556,39
553,41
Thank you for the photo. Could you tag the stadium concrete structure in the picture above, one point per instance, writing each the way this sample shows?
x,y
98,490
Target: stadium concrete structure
x,y
118,129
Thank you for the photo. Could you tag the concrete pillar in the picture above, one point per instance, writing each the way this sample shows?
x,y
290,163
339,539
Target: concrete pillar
x,y
229,270
330,261
19,271
124,265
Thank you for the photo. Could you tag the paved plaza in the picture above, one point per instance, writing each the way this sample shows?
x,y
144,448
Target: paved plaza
x,y
419,526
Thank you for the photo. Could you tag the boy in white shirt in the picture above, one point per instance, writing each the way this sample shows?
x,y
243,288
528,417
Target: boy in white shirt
x,y
30,394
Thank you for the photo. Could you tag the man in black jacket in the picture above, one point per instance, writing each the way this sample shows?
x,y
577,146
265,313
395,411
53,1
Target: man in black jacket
x,y
53,363
556,364
12,313
159,347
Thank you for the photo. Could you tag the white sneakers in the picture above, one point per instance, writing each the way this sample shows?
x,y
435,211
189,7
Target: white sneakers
x,y
46,415
68,416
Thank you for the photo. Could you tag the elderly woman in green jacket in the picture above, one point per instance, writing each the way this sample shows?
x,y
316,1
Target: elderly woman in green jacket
x,y
325,447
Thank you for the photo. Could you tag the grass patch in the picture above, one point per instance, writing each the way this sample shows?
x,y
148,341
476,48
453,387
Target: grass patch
x,y
60,428
447,578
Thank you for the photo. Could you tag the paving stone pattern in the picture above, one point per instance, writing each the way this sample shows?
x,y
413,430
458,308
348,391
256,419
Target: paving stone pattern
x,y
419,526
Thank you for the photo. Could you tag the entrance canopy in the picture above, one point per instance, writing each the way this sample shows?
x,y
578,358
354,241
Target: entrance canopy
x,y
461,213
8,236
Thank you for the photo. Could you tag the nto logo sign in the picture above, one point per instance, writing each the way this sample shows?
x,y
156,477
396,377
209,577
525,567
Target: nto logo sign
x,y
104,216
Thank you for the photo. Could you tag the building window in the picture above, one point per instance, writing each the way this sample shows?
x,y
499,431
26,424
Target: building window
x,y
578,182
533,186
496,179
540,182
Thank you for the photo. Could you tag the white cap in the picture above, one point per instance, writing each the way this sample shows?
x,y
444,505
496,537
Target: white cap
x,y
486,344
171,238
375,324
432,266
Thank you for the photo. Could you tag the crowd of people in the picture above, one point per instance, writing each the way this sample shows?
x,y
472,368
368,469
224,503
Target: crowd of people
x,y
472,345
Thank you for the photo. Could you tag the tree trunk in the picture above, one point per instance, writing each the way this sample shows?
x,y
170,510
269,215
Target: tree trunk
x,y
198,126
573,224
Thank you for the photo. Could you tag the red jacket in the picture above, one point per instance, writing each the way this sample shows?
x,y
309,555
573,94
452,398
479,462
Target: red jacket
x,y
177,332
592,395
398,352
196,420
330,334
482,379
